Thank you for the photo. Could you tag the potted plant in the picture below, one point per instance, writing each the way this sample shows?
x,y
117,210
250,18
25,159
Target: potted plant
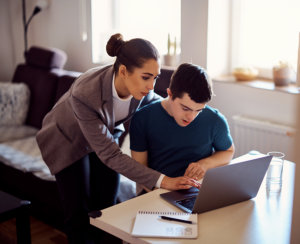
x,y
170,59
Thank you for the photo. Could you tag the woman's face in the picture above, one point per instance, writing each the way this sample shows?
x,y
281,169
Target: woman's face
x,y
142,80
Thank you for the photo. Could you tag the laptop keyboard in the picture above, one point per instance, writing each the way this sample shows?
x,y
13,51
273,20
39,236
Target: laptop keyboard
x,y
188,202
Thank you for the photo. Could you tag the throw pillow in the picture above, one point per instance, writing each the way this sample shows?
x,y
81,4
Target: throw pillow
x,y
14,103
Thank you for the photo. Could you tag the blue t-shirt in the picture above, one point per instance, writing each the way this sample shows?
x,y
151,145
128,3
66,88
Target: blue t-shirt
x,y
171,148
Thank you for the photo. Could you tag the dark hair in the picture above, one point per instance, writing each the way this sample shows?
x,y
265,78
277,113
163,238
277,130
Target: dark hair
x,y
193,80
133,53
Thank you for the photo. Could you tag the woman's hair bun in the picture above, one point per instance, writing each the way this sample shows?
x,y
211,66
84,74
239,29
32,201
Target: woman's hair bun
x,y
114,44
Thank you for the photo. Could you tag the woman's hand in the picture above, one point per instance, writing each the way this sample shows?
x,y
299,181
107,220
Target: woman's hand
x,y
178,183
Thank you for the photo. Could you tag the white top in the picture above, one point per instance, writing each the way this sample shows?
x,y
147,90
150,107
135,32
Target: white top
x,y
120,105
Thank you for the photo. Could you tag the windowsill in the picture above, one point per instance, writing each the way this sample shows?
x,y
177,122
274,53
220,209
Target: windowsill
x,y
168,67
259,83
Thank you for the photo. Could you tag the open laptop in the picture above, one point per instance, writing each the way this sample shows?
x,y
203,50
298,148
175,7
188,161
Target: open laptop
x,y
222,186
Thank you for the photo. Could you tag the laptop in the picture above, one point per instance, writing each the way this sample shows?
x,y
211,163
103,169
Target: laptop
x,y
222,186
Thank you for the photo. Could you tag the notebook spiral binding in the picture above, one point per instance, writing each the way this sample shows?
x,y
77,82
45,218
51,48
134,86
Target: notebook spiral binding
x,y
162,213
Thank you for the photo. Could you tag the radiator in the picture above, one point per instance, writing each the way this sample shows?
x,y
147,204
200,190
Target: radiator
x,y
263,136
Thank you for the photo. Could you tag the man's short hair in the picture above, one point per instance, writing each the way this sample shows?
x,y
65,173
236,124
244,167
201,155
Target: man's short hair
x,y
193,80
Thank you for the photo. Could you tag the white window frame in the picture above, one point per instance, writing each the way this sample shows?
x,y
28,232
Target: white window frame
x,y
111,18
264,71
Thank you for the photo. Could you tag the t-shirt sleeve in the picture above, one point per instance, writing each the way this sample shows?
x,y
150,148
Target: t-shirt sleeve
x,y
137,132
222,137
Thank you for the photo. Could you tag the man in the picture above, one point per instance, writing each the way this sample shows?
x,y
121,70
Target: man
x,y
181,135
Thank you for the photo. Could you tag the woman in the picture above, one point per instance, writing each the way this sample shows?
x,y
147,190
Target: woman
x,y
78,137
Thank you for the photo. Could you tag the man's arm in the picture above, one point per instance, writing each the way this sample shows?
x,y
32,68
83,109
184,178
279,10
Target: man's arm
x,y
196,170
141,157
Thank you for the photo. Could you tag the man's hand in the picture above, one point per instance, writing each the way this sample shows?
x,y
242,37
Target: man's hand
x,y
195,170
178,183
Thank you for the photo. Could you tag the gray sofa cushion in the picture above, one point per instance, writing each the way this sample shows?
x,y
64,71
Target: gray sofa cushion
x,y
24,154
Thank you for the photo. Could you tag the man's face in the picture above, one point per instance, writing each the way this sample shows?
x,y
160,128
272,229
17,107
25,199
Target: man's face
x,y
185,110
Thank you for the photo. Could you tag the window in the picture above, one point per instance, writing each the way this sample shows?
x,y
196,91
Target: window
x,y
265,32
152,20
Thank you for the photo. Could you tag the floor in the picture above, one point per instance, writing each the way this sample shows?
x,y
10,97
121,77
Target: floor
x,y
41,233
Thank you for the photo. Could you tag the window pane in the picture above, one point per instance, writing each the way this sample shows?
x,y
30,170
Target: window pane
x,y
268,31
152,20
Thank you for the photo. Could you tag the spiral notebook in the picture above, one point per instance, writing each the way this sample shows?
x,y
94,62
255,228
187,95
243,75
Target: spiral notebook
x,y
151,224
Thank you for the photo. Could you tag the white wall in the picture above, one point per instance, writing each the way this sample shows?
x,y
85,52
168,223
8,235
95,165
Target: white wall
x,y
219,38
6,47
236,98
205,34
58,26
194,24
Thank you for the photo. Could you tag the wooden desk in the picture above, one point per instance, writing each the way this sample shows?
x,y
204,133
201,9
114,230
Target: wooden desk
x,y
261,220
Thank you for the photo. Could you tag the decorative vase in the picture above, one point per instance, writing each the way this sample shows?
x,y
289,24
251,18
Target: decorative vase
x,y
282,76
170,60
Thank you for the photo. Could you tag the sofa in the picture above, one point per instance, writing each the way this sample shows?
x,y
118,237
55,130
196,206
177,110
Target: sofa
x,y
35,87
